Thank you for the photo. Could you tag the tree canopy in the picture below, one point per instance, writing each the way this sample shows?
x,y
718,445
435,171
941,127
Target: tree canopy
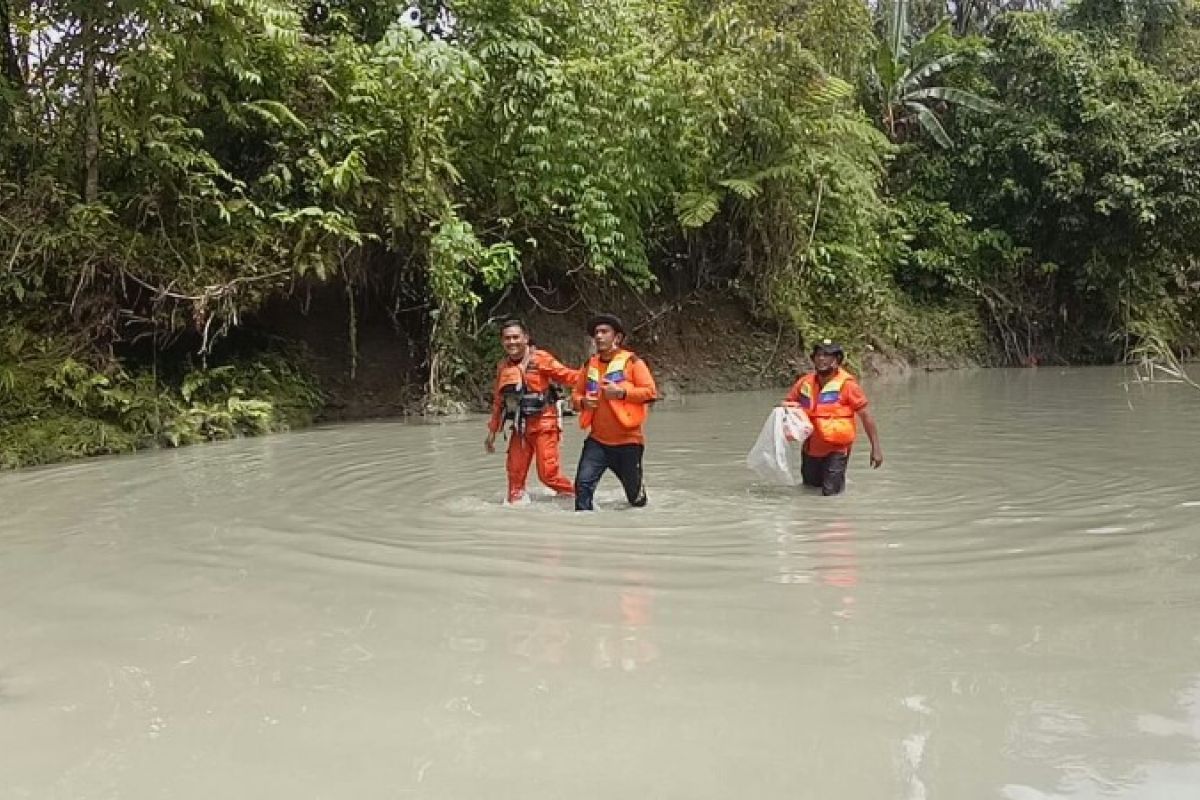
x,y
169,166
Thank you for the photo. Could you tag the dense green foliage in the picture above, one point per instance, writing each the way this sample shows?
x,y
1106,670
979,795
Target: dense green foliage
x,y
53,406
168,166
1074,216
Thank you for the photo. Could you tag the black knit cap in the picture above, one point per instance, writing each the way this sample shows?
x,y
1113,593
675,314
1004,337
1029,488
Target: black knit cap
x,y
605,319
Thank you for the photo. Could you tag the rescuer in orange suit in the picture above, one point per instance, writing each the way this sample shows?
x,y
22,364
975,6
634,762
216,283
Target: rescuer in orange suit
x,y
832,398
525,396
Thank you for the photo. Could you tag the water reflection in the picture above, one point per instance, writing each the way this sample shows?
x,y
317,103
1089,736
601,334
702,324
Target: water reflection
x,y
628,644
613,629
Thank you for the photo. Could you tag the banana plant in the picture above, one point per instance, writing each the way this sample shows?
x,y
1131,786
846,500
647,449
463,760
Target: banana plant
x,y
900,83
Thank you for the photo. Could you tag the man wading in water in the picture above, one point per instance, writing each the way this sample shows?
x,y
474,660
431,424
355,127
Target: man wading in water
x,y
524,395
612,392
831,397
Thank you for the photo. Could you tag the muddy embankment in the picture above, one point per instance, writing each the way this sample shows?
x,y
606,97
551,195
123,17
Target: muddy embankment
x,y
704,342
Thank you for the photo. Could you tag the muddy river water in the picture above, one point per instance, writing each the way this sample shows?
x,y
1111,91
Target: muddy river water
x,y
1009,609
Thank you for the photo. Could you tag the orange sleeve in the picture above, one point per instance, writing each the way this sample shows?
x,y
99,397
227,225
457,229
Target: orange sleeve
x,y
641,388
856,398
793,395
497,418
579,387
558,372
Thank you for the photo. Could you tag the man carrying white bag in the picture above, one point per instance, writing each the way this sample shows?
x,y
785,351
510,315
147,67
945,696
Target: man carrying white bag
x,y
776,456
830,401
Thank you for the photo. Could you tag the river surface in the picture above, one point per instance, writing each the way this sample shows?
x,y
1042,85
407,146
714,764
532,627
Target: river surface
x,y
1009,609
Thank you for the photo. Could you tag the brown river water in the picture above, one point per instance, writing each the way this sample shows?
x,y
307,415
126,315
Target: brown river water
x,y
1009,609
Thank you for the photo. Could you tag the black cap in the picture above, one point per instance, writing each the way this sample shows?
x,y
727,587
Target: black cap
x,y
605,319
828,347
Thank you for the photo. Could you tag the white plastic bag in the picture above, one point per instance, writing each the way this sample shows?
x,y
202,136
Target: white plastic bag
x,y
775,456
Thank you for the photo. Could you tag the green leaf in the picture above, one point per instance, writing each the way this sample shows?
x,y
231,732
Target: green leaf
x,y
931,124
887,68
274,112
696,209
745,188
922,74
959,97
829,89
897,29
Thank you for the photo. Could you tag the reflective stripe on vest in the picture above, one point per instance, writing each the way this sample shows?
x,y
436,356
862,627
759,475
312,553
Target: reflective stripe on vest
x,y
615,371
630,415
832,419
831,392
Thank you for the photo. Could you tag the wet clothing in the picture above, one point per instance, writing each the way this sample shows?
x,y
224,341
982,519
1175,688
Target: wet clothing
x,y
616,440
543,448
827,473
625,460
536,431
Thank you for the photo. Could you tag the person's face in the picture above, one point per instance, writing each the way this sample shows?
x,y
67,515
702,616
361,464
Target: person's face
x,y
824,363
515,340
605,337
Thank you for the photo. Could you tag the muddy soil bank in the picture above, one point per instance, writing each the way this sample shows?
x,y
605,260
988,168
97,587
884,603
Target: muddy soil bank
x,y
704,342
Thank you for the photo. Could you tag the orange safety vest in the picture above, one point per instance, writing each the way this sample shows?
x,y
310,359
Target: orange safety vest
x,y
527,377
832,419
630,415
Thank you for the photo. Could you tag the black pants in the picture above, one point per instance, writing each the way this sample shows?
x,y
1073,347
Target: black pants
x,y
827,472
624,459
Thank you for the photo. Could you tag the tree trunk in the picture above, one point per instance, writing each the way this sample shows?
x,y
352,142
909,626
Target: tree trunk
x,y
91,115
444,341
963,9
10,65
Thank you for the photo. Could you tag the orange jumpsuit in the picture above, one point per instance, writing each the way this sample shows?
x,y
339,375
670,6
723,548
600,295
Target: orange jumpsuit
x,y
542,433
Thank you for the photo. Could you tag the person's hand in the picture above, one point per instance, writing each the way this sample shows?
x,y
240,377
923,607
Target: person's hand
x,y
489,444
589,401
876,458
612,391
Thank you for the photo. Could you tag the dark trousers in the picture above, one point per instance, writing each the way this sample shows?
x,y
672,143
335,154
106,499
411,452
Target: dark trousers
x,y
826,472
625,460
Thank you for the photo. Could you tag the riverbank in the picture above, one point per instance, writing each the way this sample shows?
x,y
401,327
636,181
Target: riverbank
x,y
696,343
293,365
